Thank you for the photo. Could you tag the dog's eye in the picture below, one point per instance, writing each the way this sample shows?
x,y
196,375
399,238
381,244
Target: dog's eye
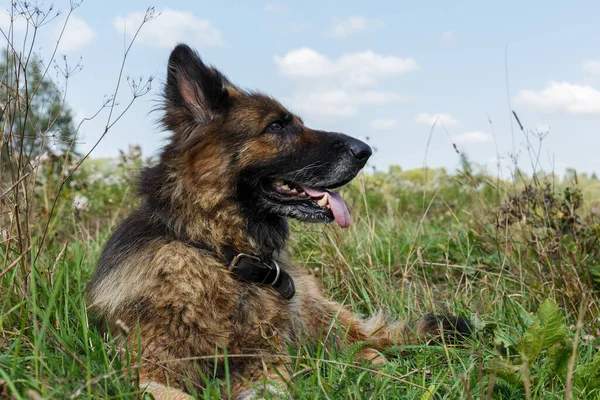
x,y
276,126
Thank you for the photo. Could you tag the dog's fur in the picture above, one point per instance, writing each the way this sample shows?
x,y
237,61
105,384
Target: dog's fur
x,y
210,189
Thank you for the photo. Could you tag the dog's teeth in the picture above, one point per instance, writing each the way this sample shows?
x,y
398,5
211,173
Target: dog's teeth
x,y
293,190
286,187
323,201
279,182
302,194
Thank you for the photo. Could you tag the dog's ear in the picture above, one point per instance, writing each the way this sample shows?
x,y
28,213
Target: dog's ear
x,y
195,93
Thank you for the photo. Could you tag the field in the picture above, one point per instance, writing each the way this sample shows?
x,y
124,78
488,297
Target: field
x,y
517,253
520,258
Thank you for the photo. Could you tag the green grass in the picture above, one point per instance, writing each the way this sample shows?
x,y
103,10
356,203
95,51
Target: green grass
x,y
419,243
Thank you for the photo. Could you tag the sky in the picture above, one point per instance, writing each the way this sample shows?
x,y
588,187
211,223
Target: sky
x,y
412,78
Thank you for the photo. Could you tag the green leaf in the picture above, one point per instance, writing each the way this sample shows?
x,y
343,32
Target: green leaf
x,y
504,341
509,372
558,357
548,330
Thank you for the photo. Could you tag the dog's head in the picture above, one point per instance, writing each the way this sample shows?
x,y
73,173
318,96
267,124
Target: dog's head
x,y
254,149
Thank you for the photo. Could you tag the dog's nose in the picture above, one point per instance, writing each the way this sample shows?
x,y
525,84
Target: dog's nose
x,y
360,150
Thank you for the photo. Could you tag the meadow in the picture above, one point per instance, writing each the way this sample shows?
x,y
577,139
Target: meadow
x,y
520,257
517,253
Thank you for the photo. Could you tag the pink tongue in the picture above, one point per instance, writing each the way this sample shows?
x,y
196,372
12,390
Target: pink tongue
x,y
338,207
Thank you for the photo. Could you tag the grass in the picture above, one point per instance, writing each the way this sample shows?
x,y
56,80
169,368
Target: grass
x,y
519,256
417,244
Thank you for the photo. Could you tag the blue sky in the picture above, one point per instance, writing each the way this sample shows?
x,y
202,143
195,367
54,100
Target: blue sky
x,y
383,70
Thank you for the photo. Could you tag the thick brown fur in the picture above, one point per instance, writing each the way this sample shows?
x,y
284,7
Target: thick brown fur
x,y
179,301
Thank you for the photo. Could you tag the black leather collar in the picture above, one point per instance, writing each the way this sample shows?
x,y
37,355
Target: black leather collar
x,y
249,268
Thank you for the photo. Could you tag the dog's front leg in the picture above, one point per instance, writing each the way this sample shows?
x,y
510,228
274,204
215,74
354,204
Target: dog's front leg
x,y
318,313
381,332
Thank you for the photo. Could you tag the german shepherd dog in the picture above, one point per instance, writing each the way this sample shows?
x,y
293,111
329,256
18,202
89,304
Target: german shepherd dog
x,y
201,269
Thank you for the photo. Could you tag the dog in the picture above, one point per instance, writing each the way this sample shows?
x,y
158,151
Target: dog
x,y
200,268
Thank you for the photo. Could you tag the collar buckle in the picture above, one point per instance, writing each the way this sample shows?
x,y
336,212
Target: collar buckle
x,y
233,264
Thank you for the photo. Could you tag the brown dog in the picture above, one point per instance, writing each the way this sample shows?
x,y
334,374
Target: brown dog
x,y
200,268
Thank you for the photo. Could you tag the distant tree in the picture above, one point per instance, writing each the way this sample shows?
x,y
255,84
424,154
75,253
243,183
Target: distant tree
x,y
571,174
395,169
33,114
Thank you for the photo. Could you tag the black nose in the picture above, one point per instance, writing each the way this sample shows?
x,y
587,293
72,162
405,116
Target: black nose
x,y
360,150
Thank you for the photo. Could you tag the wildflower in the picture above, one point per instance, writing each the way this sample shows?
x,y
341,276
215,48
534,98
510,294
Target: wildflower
x,y
80,202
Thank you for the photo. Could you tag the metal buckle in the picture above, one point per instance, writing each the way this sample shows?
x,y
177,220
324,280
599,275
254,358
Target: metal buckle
x,y
236,259
278,272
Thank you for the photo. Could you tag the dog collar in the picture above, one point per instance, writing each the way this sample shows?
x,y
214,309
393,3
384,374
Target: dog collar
x,y
248,268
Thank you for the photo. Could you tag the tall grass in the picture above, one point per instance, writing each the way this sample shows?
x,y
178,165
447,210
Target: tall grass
x,y
447,257
520,257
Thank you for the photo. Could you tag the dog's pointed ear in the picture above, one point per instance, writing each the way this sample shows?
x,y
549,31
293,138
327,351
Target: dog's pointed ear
x,y
195,93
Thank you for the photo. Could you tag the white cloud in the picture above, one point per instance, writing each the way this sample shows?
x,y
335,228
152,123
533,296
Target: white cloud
x,y
384,124
339,102
275,7
335,87
18,22
342,27
305,62
77,34
429,119
591,66
365,67
352,69
473,137
169,28
562,96
448,36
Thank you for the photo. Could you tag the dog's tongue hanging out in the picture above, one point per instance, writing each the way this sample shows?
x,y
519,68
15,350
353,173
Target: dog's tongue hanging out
x,y
336,203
